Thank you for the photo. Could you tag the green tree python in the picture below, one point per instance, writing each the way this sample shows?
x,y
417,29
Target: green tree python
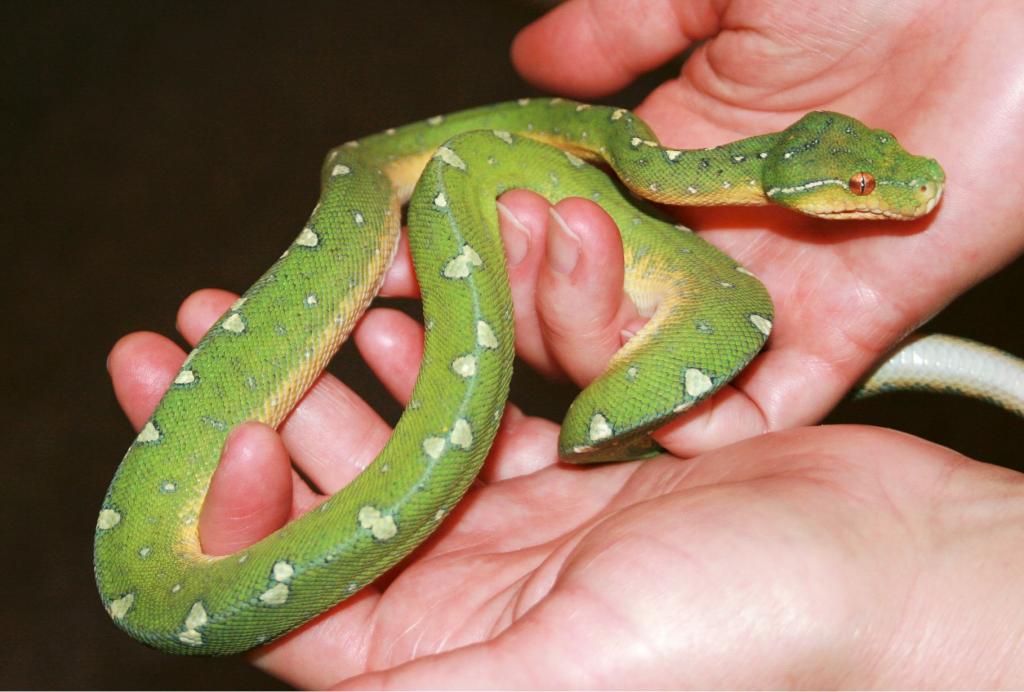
x,y
708,318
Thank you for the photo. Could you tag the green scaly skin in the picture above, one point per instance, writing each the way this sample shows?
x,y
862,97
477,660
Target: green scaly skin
x,y
710,317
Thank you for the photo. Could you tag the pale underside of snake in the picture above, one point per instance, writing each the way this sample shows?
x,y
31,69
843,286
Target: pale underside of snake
x,y
708,318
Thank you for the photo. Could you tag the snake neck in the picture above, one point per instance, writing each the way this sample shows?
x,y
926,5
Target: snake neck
x,y
730,174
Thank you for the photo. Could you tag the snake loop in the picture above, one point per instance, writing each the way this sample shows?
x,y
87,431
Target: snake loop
x,y
709,317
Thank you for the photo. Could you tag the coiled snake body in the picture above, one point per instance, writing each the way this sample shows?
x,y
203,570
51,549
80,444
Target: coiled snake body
x,y
709,317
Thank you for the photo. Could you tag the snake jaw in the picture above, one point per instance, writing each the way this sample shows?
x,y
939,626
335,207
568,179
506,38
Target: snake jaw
x,y
875,207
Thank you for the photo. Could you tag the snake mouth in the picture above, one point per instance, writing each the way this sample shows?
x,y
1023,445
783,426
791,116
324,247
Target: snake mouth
x,y
930,195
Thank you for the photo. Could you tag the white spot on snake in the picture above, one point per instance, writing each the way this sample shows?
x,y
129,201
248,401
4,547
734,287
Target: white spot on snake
x,y
744,270
696,382
691,189
806,186
462,434
632,372
464,366
582,107
653,187
243,558
739,158
673,154
168,487
382,526
440,201
504,136
352,144
340,169
762,324
726,185
523,102
763,155
185,377
436,120
307,238
788,155
439,514
358,218
311,300
635,142
144,552
618,113
196,618
274,596
107,520
726,284
237,305
555,101
433,447
119,607
599,428
149,433
683,406
485,335
573,159
450,157
460,266
650,143
283,571
390,131
234,324
176,588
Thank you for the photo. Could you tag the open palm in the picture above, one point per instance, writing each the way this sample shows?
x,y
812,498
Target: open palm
x,y
812,557
815,557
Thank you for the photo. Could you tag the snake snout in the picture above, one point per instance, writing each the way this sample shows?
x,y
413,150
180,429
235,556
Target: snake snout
x,y
929,195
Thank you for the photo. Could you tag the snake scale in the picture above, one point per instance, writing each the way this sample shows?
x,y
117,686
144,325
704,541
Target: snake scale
x,y
708,318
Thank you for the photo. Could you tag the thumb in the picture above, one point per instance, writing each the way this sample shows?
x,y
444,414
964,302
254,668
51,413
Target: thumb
x,y
250,495
594,47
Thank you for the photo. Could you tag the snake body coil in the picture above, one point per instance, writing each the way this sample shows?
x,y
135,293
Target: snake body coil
x,y
709,317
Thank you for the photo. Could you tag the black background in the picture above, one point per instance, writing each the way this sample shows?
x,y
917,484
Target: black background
x,y
152,150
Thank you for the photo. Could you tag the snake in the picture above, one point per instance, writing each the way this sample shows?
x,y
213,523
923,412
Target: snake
x,y
708,317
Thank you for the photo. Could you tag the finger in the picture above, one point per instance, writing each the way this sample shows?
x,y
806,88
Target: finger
x,y
391,343
250,494
400,281
523,218
580,300
141,367
594,47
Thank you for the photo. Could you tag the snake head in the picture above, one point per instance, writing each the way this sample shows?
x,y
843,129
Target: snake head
x,y
833,166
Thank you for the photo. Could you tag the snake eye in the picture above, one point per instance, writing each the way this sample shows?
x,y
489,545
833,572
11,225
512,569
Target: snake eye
x,y
862,183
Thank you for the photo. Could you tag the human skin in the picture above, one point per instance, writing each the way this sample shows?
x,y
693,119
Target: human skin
x,y
812,557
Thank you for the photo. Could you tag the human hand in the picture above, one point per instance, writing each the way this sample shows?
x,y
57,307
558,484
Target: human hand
x,y
820,557
944,77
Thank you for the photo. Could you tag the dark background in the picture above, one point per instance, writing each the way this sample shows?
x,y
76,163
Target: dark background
x,y
149,151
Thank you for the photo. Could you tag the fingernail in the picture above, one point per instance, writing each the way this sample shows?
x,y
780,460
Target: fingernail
x,y
563,246
514,235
